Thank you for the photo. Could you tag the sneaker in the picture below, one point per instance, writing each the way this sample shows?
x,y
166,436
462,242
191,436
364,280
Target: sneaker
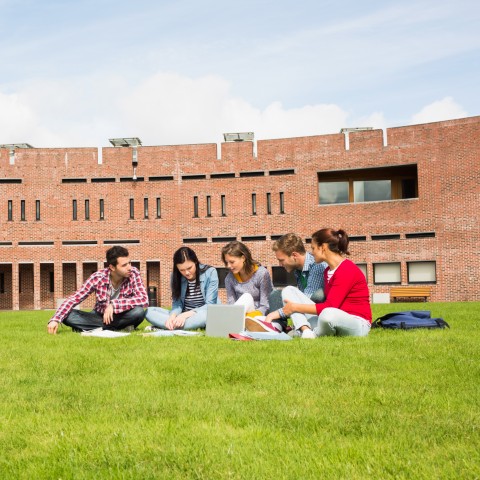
x,y
307,333
255,325
151,328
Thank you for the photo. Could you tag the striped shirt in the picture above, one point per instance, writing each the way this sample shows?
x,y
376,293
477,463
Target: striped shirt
x,y
193,298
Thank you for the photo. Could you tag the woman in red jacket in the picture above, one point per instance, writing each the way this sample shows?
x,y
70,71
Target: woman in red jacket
x,y
346,309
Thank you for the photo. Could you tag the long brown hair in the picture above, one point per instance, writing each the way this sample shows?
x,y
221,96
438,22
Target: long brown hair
x,y
239,249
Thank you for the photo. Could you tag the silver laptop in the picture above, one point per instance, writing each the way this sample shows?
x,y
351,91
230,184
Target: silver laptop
x,y
224,319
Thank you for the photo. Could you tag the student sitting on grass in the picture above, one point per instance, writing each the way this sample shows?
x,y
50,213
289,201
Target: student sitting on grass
x,y
247,283
194,286
346,309
121,298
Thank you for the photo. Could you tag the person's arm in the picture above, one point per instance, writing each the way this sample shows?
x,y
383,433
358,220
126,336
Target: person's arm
x,y
265,287
134,295
231,295
292,307
211,286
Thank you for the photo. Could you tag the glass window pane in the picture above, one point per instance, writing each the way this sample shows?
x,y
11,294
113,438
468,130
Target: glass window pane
x,y
386,273
372,190
363,268
333,192
421,272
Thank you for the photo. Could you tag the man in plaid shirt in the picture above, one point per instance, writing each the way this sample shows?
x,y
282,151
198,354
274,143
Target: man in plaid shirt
x,y
293,257
120,293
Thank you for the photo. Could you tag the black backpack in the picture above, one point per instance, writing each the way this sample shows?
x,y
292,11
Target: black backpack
x,y
408,320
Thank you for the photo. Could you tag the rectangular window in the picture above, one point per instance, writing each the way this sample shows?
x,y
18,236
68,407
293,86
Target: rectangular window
x,y
363,268
222,273
333,192
209,206
282,202
74,209
87,209
372,190
159,208
10,210
102,209
269,203
37,209
195,207
368,185
387,273
254,203
421,272
282,278
224,206
2,282
132,209
145,208
22,210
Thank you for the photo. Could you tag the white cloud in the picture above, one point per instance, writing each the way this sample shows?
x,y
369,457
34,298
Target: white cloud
x,y
445,109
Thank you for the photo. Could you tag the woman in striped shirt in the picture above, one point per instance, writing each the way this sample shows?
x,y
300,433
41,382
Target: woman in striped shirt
x,y
194,286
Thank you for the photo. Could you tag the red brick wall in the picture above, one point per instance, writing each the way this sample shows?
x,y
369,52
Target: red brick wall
x,y
447,155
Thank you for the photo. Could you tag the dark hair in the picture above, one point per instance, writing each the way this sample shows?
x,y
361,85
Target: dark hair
x,y
114,253
181,256
337,240
289,243
239,249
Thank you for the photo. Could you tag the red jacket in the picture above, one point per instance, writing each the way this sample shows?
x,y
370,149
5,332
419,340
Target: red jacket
x,y
347,290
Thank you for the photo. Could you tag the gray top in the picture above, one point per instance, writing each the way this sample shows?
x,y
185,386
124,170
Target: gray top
x,y
259,286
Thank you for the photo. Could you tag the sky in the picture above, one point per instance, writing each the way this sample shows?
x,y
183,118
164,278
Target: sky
x,y
74,73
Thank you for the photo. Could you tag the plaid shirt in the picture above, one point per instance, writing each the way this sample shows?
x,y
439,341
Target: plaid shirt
x,y
132,294
310,278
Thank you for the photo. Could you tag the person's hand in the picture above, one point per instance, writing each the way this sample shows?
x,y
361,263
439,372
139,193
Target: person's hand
x,y
179,321
52,327
289,307
169,324
272,316
108,315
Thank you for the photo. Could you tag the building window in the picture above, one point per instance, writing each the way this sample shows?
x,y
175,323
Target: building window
x,y
22,210
224,206
37,209
159,208
282,202
222,273
282,278
2,282
421,272
195,207
363,268
368,185
102,209
387,273
74,209
10,210
132,209
254,203
87,209
269,203
209,206
51,285
145,208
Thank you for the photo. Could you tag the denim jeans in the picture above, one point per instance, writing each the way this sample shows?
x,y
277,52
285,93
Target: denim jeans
x,y
158,317
80,321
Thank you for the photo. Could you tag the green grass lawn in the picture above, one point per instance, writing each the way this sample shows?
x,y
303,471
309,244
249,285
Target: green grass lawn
x,y
396,405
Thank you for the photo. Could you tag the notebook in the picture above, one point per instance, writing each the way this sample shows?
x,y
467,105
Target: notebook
x,y
225,319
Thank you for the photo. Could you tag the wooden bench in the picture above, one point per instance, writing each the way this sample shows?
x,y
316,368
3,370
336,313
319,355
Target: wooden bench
x,y
410,292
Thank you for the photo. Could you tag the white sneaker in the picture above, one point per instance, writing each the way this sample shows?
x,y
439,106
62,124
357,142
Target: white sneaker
x,y
151,328
307,333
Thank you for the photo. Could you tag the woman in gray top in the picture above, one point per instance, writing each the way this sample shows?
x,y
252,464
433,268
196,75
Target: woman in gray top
x,y
248,283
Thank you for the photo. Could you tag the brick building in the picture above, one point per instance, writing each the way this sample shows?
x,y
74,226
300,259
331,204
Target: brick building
x,y
408,197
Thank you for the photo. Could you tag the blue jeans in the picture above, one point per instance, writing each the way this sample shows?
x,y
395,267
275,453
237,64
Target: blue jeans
x,y
158,317
80,321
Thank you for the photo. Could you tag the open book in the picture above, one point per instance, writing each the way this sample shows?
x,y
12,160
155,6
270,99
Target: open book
x,y
172,333
100,332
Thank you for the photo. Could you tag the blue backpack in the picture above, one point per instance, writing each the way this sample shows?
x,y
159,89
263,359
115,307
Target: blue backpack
x,y
408,320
